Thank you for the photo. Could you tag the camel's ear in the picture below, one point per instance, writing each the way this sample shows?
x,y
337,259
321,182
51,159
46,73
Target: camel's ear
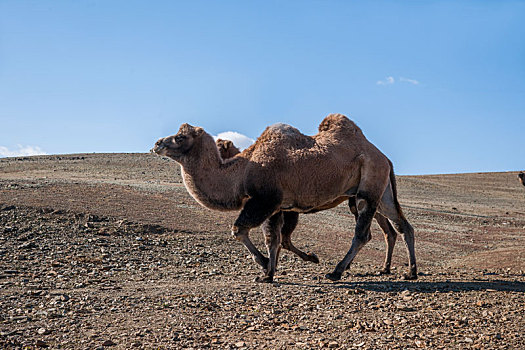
x,y
198,131
228,143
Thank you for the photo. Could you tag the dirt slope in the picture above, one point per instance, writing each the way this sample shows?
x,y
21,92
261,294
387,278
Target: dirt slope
x,y
109,250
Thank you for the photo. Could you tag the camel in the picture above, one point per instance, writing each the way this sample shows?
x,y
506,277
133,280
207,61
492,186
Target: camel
x,y
521,177
227,150
285,172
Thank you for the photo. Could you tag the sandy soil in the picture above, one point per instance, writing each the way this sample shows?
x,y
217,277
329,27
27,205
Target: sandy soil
x,y
109,250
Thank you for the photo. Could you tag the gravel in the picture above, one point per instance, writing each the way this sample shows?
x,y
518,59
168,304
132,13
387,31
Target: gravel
x,y
109,251
97,282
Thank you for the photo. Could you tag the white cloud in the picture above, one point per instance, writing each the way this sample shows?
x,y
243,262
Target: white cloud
x,y
411,81
239,140
21,151
390,81
387,81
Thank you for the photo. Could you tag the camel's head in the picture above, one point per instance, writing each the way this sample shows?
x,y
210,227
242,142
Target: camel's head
x,y
179,144
226,148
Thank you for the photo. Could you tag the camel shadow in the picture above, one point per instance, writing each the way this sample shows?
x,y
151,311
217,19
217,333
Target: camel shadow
x,y
422,286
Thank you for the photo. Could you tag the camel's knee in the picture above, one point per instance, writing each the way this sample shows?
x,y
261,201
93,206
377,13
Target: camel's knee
x,y
272,240
238,233
366,208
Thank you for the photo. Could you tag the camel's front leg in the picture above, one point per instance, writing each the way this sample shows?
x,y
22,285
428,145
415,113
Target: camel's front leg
x,y
256,210
272,233
290,222
242,235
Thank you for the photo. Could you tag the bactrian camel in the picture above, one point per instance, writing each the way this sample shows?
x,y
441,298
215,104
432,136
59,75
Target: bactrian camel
x,y
521,177
228,150
286,172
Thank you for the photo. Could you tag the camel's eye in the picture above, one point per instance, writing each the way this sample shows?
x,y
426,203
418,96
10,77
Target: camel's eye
x,y
180,138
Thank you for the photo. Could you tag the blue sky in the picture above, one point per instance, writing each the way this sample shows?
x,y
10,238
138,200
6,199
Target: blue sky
x,y
438,86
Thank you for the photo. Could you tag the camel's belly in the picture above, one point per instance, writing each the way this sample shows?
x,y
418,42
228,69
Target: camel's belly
x,y
303,208
307,195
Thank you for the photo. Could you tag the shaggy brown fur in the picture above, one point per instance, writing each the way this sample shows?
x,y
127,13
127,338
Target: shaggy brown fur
x,y
521,177
286,171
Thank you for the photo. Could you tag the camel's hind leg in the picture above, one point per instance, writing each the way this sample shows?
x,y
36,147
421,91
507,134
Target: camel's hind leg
x,y
290,222
388,231
366,206
353,209
256,210
390,208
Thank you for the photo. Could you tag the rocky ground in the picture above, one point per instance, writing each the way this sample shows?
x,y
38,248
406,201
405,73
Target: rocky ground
x,y
109,251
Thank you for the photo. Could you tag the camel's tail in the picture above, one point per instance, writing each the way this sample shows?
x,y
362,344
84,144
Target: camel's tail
x,y
394,187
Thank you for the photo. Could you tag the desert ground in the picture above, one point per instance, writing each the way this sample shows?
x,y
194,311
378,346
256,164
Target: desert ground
x,y
109,251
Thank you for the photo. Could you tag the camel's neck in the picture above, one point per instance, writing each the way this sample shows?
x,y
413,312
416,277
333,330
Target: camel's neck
x,y
213,183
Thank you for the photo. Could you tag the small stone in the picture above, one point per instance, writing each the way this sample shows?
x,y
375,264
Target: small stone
x,y
333,344
56,264
27,245
109,342
43,331
355,291
240,344
41,344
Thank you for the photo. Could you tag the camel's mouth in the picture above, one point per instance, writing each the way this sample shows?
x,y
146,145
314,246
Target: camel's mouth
x,y
157,149
160,148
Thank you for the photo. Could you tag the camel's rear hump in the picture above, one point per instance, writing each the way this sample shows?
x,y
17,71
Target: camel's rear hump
x,y
338,123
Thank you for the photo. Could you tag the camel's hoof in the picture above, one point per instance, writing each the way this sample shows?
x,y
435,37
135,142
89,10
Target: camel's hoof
x,y
313,258
384,271
410,276
264,279
333,276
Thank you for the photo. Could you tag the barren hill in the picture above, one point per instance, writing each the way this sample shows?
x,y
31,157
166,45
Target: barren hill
x,y
110,248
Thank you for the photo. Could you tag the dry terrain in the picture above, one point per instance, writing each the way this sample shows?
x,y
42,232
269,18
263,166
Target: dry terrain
x,y
109,251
